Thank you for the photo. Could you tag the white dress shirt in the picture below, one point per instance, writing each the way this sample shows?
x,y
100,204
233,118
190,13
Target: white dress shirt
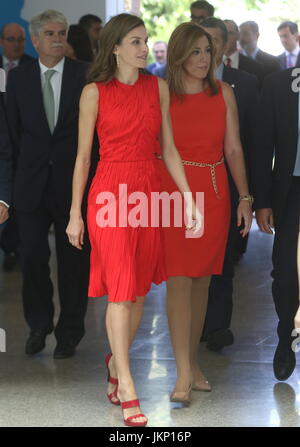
x,y
56,81
6,63
252,55
235,59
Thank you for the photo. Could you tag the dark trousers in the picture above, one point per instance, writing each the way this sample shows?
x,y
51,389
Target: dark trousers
x,y
220,305
241,245
9,239
285,286
72,271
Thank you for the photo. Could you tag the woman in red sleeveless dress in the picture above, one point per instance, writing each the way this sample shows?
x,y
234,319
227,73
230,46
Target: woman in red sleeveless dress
x,y
205,125
128,109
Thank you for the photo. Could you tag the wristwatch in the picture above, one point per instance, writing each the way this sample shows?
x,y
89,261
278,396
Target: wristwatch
x,y
247,197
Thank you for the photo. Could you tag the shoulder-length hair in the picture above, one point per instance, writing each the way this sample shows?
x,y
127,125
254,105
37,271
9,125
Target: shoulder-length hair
x,y
181,45
104,67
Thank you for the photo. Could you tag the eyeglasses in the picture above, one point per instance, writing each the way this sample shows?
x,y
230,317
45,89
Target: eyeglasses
x,y
198,18
14,40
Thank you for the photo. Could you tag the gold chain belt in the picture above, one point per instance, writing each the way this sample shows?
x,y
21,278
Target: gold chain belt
x,y
212,167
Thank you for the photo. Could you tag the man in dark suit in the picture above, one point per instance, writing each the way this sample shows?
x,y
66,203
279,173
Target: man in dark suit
x,y
289,36
160,56
12,40
219,312
200,10
234,59
42,109
5,165
249,34
276,186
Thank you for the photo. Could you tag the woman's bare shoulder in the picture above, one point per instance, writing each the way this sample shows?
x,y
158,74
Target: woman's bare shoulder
x,y
90,92
226,89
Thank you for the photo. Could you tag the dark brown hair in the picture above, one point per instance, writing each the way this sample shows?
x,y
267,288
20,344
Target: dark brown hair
x,y
181,45
104,67
79,40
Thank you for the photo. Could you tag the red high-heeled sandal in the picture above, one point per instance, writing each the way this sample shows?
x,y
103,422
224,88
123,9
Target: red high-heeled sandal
x,y
113,381
128,421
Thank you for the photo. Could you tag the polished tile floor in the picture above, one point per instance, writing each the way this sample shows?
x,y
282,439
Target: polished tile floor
x,y
40,391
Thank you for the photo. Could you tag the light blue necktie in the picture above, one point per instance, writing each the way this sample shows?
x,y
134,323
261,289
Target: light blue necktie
x,y
48,97
290,61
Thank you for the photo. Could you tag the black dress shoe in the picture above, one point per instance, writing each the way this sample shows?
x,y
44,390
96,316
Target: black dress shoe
x,y
64,350
284,361
35,343
217,340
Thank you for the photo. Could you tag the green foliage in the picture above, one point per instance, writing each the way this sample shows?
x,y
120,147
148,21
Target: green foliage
x,y
162,16
254,4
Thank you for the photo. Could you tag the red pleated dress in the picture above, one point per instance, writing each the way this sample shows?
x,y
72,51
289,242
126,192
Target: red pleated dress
x,y
199,123
125,258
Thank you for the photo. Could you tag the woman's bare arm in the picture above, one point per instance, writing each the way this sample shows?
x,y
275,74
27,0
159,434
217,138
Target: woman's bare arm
x,y
235,158
87,119
232,144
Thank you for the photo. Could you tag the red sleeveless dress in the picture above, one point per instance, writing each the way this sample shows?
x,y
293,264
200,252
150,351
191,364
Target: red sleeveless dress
x,y
199,128
125,259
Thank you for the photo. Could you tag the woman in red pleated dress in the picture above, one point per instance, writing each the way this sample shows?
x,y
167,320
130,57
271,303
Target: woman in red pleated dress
x,y
205,127
129,110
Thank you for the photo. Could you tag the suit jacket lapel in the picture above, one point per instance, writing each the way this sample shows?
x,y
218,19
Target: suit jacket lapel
x,y
67,89
227,75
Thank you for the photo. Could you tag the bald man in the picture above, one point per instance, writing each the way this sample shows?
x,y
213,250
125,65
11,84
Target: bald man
x,y
12,41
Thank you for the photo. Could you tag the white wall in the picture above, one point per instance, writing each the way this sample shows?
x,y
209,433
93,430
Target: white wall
x,y
72,9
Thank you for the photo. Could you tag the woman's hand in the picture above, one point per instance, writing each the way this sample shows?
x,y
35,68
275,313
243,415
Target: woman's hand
x,y
244,212
3,213
194,216
75,231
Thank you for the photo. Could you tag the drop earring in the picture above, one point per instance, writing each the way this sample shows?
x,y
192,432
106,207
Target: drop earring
x,y
117,60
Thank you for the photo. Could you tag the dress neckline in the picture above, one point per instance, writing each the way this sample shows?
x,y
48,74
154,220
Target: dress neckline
x,y
127,86
198,93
